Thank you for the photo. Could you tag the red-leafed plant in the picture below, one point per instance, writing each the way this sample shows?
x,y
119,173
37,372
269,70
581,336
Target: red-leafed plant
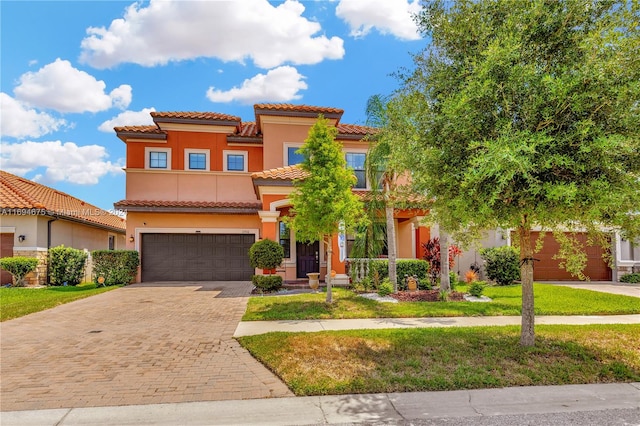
x,y
432,255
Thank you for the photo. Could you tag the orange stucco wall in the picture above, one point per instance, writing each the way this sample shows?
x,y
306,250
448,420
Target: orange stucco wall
x,y
189,186
216,143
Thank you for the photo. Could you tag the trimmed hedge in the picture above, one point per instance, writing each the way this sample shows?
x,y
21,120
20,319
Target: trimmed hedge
x,y
410,267
267,282
630,278
18,266
66,265
116,266
266,254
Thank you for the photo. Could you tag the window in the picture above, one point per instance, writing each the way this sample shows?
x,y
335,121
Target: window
x,y
196,159
157,160
112,242
355,161
294,158
285,239
235,161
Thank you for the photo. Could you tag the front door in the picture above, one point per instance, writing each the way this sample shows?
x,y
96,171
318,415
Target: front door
x,y
308,258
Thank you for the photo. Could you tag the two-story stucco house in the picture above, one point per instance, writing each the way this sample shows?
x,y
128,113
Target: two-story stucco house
x,y
201,187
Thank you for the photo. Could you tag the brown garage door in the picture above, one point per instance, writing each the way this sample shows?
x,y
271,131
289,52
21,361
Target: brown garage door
x,y
196,257
6,250
549,269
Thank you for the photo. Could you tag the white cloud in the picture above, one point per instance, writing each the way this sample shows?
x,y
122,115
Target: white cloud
x,y
387,16
278,85
19,121
128,118
83,165
174,30
61,87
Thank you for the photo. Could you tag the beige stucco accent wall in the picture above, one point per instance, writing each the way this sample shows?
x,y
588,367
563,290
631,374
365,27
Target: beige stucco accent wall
x,y
189,186
404,240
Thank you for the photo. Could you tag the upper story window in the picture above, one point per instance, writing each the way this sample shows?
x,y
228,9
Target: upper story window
x,y
355,161
293,157
157,158
235,161
196,159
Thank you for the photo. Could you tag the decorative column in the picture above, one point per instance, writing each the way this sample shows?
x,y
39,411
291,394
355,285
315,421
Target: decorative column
x,y
269,224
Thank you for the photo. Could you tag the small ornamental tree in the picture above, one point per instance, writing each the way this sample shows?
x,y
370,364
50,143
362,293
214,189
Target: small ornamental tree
x,y
18,267
266,254
66,265
323,199
432,256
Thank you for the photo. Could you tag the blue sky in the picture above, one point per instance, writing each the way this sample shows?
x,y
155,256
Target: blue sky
x,y
71,71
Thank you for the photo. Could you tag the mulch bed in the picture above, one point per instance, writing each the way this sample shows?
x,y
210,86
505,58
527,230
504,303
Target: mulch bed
x,y
426,296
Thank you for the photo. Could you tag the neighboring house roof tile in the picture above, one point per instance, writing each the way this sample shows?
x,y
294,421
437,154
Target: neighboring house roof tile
x,y
22,194
193,115
281,173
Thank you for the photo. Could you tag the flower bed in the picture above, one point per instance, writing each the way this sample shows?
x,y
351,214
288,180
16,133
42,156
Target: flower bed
x,y
426,296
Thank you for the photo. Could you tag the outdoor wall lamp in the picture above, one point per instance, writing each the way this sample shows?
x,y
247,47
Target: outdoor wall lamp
x,y
131,239
21,238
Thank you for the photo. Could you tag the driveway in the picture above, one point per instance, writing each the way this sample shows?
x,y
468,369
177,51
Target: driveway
x,y
141,344
625,289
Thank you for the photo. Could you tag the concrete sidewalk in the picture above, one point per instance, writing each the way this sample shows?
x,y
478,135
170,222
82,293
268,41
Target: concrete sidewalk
x,y
249,328
593,401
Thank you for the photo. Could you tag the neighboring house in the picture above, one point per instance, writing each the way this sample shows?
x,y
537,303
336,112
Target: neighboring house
x,y
625,257
201,187
35,218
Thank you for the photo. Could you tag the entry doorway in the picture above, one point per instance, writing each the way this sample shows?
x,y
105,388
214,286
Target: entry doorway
x,y
307,258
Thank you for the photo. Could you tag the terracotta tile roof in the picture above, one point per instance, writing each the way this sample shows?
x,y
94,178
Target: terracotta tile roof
x,y
200,204
193,115
298,108
23,194
139,129
248,129
354,129
281,173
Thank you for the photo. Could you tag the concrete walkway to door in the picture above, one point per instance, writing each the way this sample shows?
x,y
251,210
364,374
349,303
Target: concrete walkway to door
x,y
142,344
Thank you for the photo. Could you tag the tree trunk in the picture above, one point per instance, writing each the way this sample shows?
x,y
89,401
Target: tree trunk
x,y
391,245
445,284
527,333
327,277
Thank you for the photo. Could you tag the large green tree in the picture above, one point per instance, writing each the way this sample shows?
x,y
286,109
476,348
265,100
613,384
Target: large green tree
x,y
527,114
323,199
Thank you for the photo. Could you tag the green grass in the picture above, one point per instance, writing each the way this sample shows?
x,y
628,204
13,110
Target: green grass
x,y
17,302
406,360
549,300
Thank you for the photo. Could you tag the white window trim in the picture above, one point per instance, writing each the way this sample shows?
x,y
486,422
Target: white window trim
x,y
207,157
245,154
285,150
358,151
147,154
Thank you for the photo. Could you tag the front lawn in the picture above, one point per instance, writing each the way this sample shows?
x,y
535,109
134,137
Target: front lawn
x,y
549,300
406,360
19,301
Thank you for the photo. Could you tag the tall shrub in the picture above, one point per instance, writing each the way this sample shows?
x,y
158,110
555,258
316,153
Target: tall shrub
x,y
432,256
502,264
18,267
116,266
66,265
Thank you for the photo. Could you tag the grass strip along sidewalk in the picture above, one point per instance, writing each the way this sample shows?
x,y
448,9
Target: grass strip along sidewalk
x,y
17,302
549,300
405,360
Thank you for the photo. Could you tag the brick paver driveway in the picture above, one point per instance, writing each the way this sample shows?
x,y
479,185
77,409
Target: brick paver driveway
x,y
141,344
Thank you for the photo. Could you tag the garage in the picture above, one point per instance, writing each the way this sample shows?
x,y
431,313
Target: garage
x,y
6,250
196,257
548,269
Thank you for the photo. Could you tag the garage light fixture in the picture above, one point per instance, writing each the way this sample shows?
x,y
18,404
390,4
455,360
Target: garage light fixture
x,y
21,238
131,239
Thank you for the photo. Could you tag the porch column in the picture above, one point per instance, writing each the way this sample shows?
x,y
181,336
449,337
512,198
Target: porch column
x,y
269,224
422,235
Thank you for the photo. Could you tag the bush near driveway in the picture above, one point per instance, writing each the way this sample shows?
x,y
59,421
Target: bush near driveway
x,y
116,266
409,360
502,264
630,278
66,265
